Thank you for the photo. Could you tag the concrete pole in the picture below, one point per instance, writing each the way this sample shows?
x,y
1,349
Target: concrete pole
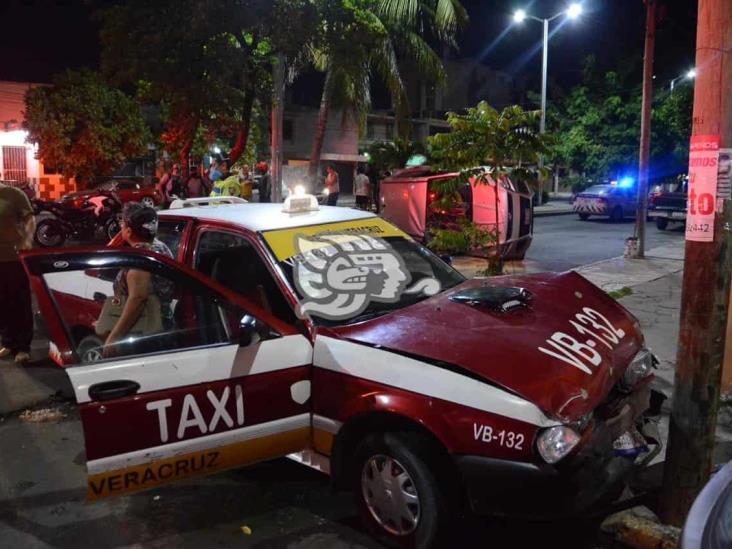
x,y
706,291
645,133
278,105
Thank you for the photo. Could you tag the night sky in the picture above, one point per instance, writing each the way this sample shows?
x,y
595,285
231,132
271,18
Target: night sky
x,y
42,37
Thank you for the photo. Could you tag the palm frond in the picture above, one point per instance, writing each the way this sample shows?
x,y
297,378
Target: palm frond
x,y
414,48
404,12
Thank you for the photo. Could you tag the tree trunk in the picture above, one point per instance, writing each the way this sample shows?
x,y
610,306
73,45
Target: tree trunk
x,y
242,136
184,155
320,131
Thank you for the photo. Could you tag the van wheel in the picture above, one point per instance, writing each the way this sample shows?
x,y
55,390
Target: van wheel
x,y
661,223
616,216
584,217
399,498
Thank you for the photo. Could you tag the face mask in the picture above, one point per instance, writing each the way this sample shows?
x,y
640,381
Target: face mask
x,y
215,175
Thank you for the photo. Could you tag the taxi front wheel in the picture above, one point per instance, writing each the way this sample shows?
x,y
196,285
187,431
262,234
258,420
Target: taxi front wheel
x,y
398,495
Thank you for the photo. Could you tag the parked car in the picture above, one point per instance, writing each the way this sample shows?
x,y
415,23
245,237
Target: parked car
x,y
126,190
669,205
330,336
407,200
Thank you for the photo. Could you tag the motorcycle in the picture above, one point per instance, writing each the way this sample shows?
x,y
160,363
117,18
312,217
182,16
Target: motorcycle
x,y
67,222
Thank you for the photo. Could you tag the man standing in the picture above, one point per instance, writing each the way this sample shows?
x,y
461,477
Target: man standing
x,y
265,182
16,316
362,189
333,186
227,184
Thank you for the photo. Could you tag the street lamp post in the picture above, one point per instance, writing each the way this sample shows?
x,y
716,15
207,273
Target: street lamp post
x,y
573,11
689,75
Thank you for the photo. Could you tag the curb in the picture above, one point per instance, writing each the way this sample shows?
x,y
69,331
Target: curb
x,y
550,213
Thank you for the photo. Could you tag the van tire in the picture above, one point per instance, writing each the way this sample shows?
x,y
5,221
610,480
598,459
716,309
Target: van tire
x,y
584,217
661,223
409,453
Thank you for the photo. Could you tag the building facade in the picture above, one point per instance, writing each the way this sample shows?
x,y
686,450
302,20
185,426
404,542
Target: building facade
x,y
18,162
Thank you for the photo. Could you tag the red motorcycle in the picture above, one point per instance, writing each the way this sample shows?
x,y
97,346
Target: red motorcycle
x,y
68,222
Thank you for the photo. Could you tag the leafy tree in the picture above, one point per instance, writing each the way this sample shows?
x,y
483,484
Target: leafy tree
x,y
366,38
390,155
486,146
207,61
671,131
83,126
598,125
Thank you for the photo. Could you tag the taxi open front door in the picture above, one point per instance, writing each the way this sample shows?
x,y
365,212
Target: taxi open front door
x,y
220,385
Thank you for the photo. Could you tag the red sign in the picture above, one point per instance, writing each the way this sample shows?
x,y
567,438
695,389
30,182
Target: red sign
x,y
703,160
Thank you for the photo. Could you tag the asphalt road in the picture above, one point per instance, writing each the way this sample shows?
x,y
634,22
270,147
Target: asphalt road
x,y
42,475
563,242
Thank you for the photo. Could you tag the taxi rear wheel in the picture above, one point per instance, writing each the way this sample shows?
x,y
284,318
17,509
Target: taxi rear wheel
x,y
397,491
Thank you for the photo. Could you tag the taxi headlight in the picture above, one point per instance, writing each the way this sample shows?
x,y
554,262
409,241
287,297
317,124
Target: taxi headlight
x,y
555,443
640,368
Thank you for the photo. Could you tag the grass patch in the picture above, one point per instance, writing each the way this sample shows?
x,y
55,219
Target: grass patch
x,y
622,292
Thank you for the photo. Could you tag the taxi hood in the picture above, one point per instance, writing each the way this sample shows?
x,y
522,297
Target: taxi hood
x,y
556,340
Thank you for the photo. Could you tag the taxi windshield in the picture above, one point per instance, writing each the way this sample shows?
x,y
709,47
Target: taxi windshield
x,y
343,275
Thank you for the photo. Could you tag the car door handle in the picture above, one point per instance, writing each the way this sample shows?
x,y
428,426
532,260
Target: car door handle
x,y
110,390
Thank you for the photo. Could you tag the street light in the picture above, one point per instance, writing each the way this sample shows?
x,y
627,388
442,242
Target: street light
x,y
573,11
689,75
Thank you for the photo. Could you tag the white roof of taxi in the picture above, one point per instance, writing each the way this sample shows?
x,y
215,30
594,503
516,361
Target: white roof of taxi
x,y
267,217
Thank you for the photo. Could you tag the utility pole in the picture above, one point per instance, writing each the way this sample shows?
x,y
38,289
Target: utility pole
x,y
278,105
705,298
645,135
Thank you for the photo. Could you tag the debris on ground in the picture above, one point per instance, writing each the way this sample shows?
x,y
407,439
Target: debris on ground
x,y
42,415
639,528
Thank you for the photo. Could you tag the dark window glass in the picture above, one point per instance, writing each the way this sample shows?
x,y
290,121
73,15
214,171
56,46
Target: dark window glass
x,y
232,261
177,314
170,232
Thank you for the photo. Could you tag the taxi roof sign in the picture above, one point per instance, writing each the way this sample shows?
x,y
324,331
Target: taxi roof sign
x,y
298,203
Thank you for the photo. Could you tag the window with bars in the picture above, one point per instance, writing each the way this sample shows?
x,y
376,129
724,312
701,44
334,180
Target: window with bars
x,y
14,166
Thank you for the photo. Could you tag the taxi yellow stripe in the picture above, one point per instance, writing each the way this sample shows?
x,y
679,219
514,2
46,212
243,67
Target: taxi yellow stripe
x,y
204,462
282,242
322,441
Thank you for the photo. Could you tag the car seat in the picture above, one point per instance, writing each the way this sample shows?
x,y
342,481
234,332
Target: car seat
x,y
239,270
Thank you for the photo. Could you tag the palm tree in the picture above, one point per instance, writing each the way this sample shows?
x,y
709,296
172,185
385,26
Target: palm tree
x,y
374,39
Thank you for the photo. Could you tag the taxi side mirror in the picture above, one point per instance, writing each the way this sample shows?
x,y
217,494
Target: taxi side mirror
x,y
252,330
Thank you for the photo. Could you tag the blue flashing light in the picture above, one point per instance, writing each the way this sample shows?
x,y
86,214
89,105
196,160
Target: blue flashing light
x,y
626,182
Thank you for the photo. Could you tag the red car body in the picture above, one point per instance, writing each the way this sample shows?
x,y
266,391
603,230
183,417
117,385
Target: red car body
x,y
126,190
476,385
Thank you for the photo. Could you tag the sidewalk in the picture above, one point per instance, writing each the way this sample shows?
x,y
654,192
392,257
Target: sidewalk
x,y
558,206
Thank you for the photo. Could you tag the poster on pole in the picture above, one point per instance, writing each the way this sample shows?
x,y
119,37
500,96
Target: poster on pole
x,y
703,160
724,178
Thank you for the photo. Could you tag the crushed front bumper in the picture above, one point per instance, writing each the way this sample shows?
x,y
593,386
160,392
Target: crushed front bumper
x,y
591,476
